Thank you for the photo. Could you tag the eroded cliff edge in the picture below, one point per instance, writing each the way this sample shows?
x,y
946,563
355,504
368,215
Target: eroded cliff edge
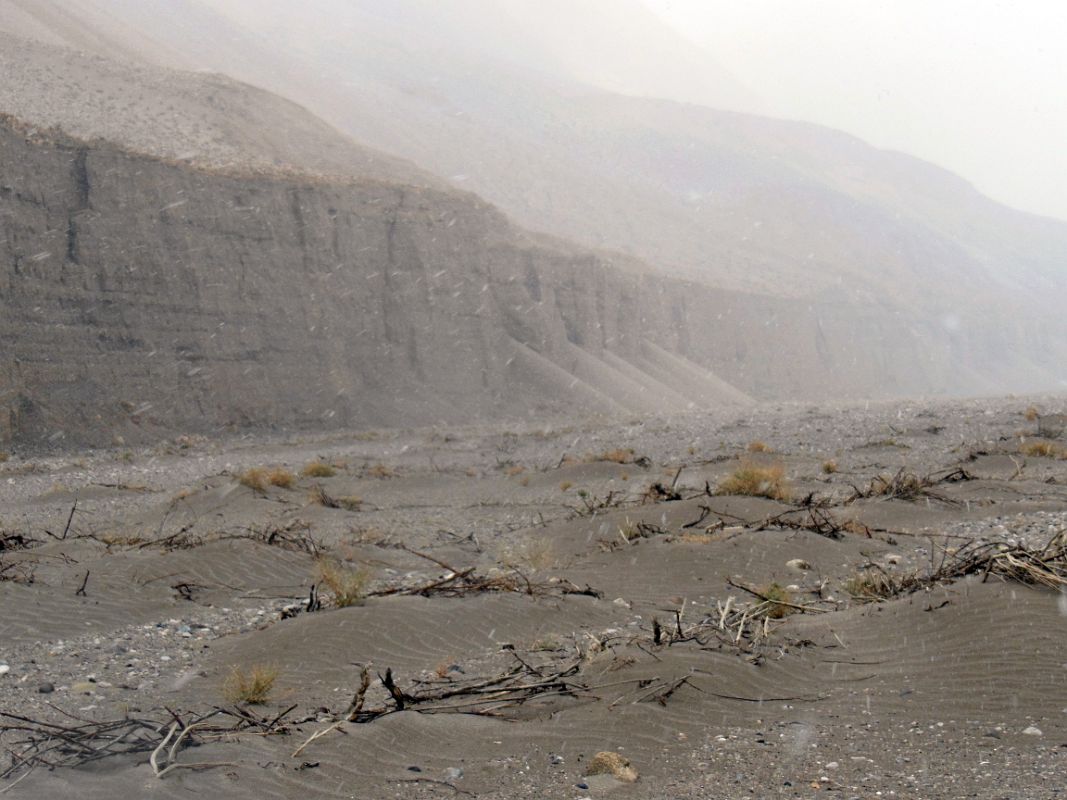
x,y
139,297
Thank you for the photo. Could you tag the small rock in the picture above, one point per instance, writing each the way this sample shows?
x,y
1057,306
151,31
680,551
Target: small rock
x,y
46,688
798,564
453,774
4,669
1033,730
893,558
554,759
621,601
833,765
414,769
608,763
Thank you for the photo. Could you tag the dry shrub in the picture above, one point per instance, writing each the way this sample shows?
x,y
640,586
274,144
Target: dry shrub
x,y
905,485
383,471
255,479
1039,449
524,480
348,586
870,585
112,539
565,485
780,599
759,447
350,502
856,527
319,496
1032,414
618,455
547,644
829,467
756,481
518,469
3,457
697,538
282,478
184,494
608,763
534,555
318,469
252,687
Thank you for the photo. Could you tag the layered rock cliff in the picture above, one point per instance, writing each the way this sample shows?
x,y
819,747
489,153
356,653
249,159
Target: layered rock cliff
x,y
138,295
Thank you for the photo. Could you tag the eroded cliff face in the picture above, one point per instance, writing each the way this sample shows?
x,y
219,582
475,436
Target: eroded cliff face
x,y
137,294
139,297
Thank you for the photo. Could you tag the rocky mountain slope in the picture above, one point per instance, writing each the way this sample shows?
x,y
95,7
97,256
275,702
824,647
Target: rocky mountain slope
x,y
781,209
183,252
141,296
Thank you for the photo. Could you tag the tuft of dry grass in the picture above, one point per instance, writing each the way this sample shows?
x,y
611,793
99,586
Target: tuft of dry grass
x,y
348,586
759,447
617,455
1032,414
565,485
383,471
252,687
518,469
1040,449
534,555
780,599
3,456
829,467
870,585
905,485
350,502
756,481
184,494
608,763
318,469
255,479
282,478
112,539
319,496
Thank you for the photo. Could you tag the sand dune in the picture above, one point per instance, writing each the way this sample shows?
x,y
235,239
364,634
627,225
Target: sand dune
x,y
189,579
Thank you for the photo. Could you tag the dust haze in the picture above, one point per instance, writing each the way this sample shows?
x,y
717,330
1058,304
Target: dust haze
x,y
524,399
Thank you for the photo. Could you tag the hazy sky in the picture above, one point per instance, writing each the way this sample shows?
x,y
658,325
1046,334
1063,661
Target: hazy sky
x,y
978,86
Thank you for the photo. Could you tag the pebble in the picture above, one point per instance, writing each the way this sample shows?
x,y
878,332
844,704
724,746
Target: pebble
x,y
1033,730
46,688
833,765
4,669
798,564
453,773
